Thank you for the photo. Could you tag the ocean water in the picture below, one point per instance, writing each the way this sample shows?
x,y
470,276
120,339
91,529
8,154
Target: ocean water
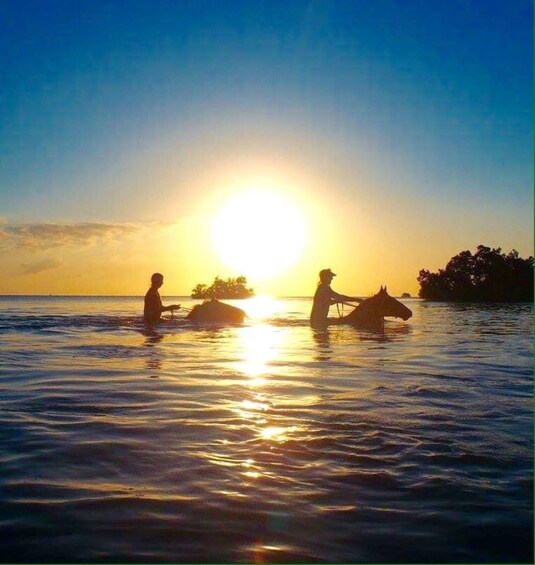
x,y
268,442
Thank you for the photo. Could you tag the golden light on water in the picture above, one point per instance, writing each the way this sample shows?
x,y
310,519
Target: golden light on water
x,y
258,381
260,349
259,233
262,307
250,410
260,345
275,433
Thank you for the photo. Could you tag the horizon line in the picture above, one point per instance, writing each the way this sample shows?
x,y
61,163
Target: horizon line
x,y
163,296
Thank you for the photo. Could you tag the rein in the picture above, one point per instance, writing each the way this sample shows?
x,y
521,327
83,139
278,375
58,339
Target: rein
x,y
181,308
340,315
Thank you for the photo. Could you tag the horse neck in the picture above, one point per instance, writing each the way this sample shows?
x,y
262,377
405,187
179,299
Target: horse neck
x,y
369,308
369,305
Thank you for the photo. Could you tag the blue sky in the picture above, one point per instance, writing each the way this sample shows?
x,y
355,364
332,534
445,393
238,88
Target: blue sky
x,y
432,99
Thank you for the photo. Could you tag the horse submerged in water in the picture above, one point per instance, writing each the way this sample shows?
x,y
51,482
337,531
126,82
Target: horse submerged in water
x,y
370,313
214,312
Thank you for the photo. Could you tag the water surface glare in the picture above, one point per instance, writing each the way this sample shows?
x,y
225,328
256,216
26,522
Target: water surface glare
x,y
267,442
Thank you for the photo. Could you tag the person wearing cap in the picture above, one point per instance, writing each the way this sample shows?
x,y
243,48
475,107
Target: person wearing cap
x,y
153,303
324,297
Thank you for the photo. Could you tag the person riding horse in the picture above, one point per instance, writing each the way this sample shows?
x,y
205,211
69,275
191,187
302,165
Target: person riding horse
x,y
324,297
369,313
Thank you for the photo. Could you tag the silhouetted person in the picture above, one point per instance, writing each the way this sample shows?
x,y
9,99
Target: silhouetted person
x,y
324,297
153,302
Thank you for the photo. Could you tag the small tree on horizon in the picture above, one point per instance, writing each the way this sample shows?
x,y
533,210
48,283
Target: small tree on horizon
x,y
230,289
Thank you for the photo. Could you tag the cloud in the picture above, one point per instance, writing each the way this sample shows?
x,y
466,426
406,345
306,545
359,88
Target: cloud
x,y
40,266
48,235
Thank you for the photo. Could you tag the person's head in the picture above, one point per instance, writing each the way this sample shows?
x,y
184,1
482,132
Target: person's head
x,y
157,280
326,276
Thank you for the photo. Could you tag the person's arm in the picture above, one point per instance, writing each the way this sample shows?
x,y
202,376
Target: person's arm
x,y
336,297
170,308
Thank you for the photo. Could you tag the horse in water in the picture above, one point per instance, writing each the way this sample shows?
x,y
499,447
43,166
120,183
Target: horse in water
x,y
370,313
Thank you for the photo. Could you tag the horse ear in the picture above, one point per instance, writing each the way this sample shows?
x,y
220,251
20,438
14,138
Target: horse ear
x,y
385,288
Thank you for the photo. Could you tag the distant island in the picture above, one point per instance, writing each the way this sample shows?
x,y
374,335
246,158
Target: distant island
x,y
227,289
405,295
487,276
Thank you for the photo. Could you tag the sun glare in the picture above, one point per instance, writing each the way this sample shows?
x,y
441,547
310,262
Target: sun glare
x,y
262,307
259,233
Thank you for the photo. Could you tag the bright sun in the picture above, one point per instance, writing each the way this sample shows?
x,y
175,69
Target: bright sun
x,y
259,233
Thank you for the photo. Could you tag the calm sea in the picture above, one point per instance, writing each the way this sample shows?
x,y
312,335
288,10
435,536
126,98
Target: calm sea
x,y
264,443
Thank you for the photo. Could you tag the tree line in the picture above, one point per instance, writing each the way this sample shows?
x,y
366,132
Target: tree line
x,y
486,276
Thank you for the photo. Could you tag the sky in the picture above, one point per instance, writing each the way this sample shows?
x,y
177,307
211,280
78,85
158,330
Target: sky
x,y
269,139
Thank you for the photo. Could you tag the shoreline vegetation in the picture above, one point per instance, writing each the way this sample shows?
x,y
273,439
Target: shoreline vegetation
x,y
224,289
487,276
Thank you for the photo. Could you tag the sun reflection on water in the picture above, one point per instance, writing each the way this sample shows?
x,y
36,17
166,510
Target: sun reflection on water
x,y
260,346
275,433
262,552
260,424
262,307
250,410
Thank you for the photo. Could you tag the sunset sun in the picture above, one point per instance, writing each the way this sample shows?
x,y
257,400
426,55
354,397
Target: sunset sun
x,y
259,233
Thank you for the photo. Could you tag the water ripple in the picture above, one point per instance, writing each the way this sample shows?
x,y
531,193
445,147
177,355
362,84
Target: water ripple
x,y
267,442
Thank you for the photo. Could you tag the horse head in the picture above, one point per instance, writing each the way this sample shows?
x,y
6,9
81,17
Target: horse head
x,y
389,306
